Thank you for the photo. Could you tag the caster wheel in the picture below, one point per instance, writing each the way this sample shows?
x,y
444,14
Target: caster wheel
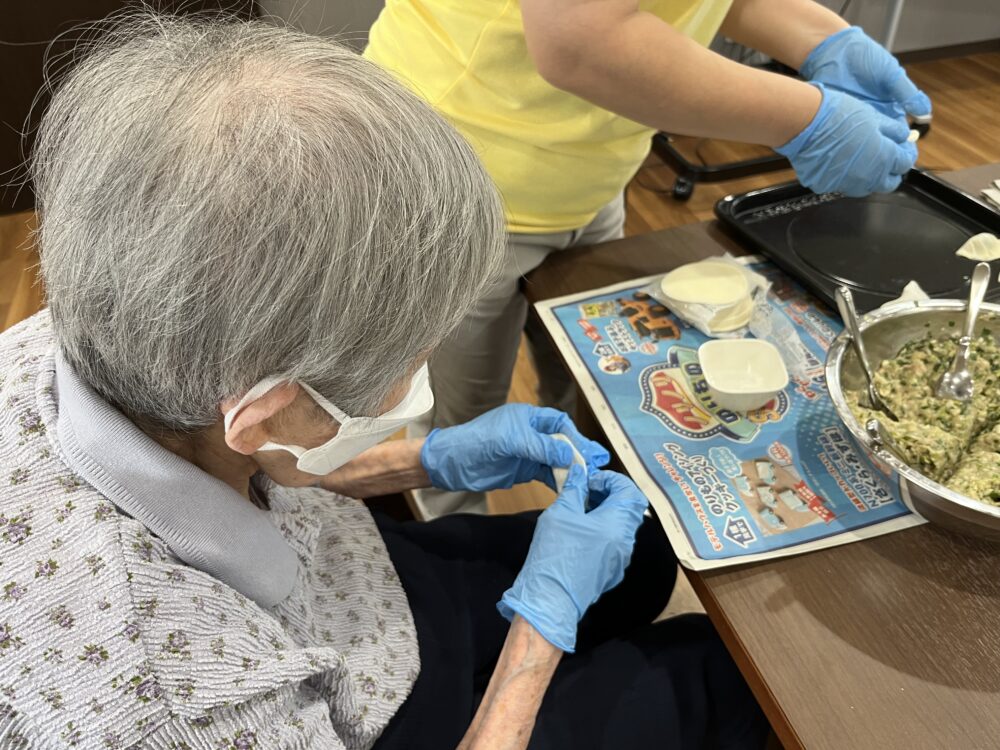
x,y
683,188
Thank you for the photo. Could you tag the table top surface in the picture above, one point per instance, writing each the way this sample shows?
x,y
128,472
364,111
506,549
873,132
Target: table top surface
x,y
892,642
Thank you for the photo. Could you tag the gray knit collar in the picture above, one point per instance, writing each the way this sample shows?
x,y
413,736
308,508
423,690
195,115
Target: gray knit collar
x,y
204,521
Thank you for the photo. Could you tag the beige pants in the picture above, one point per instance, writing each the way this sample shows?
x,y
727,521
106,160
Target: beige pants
x,y
471,372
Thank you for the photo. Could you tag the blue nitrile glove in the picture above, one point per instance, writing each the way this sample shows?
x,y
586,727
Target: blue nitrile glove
x,y
852,62
576,555
503,447
850,148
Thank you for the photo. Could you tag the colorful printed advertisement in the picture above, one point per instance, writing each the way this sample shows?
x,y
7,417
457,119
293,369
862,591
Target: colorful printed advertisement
x,y
728,487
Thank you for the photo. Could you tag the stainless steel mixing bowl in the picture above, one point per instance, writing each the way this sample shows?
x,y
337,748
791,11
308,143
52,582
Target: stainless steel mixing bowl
x,y
885,332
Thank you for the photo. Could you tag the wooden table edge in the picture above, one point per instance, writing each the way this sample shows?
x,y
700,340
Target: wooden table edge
x,y
744,662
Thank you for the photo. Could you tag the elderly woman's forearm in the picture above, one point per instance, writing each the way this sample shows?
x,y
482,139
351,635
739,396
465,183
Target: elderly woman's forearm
x,y
787,30
633,63
507,713
392,466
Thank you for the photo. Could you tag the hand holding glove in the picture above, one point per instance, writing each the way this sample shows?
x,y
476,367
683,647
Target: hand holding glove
x,y
576,554
509,445
850,148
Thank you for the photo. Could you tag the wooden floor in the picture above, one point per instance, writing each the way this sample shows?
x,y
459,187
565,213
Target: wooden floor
x,y
965,132
20,293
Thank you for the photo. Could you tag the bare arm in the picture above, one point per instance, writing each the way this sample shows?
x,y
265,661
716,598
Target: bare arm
x,y
631,62
393,466
787,30
508,710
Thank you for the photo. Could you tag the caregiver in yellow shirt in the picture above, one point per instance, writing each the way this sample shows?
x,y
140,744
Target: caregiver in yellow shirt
x,y
560,99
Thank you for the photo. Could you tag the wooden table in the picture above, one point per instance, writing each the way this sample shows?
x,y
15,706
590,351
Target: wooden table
x,y
888,643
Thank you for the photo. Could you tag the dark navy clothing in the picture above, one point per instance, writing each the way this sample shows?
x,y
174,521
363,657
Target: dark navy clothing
x,y
631,684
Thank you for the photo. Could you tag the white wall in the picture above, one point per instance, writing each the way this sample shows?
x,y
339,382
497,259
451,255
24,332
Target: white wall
x,y
927,23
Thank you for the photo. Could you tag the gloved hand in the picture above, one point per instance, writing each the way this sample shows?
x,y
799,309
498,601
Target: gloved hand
x,y
503,447
576,555
850,148
852,62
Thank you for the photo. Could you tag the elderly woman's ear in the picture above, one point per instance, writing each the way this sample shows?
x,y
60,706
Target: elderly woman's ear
x,y
248,430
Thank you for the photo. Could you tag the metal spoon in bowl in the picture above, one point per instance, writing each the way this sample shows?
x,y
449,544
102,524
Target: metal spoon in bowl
x,y
882,440
845,303
956,383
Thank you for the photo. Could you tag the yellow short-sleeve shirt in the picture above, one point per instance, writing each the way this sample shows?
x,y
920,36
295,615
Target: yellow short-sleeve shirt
x,y
556,158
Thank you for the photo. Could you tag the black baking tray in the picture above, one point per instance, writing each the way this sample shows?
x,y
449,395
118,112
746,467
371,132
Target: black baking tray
x,y
874,245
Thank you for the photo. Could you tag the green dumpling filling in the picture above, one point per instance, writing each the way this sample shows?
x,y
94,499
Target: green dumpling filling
x,y
978,477
954,443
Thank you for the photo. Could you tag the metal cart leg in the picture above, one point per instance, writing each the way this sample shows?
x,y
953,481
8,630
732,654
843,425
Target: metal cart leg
x,y
688,173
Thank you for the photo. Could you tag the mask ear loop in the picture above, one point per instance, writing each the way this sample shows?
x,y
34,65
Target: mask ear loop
x,y
341,417
263,387
418,391
416,383
326,405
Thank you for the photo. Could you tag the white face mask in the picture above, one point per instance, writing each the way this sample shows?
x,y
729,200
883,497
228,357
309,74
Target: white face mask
x,y
356,434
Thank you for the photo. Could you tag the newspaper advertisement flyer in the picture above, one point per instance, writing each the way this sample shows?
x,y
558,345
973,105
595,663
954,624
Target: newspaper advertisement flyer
x,y
728,487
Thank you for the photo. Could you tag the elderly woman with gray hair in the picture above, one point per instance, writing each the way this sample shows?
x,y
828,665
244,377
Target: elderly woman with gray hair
x,y
251,241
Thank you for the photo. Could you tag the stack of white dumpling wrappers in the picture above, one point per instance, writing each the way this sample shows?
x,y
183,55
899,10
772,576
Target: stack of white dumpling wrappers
x,y
715,295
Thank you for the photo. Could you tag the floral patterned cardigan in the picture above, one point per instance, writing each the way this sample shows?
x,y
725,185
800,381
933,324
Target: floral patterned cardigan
x,y
143,606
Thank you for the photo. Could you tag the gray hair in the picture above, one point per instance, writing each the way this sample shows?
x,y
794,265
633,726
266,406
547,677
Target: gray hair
x,y
224,200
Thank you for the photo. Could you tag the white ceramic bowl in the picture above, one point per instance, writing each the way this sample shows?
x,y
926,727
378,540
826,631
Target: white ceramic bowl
x,y
744,374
